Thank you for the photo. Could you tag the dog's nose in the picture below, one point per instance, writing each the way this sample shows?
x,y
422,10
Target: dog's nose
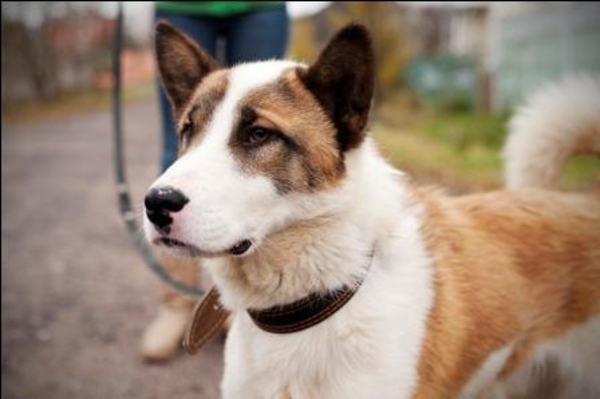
x,y
161,202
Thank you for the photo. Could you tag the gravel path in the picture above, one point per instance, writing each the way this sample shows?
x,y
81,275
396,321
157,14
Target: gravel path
x,y
76,295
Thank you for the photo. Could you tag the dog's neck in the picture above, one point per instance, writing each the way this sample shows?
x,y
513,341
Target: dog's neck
x,y
320,254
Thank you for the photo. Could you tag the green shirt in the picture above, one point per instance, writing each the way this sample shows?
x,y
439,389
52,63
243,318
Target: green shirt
x,y
215,8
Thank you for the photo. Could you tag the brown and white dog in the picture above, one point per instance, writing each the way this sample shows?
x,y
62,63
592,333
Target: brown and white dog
x,y
282,193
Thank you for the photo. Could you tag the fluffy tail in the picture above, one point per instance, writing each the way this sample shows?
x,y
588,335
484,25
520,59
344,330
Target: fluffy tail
x,y
558,121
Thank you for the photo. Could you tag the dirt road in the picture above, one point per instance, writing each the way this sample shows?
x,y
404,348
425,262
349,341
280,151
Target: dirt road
x,y
75,293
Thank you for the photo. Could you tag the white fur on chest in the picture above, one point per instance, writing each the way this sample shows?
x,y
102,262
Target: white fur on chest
x,y
370,347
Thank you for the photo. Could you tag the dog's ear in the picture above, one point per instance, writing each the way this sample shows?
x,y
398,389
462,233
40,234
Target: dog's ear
x,y
342,80
182,64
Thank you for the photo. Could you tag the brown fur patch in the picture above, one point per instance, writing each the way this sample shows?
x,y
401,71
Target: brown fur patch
x,y
200,109
509,268
304,156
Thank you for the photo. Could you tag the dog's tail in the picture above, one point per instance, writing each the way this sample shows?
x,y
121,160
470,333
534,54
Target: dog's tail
x,y
558,121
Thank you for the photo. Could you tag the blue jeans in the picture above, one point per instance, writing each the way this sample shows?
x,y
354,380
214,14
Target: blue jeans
x,y
252,36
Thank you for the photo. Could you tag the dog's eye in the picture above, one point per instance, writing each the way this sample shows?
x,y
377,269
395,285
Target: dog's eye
x,y
257,135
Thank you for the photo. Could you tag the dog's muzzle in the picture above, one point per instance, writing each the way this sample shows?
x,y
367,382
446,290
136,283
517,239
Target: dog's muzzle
x,y
160,203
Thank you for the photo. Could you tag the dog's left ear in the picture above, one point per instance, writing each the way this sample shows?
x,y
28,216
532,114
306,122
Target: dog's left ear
x,y
182,64
342,80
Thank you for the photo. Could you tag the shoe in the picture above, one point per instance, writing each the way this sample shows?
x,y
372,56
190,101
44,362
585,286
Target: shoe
x,y
162,338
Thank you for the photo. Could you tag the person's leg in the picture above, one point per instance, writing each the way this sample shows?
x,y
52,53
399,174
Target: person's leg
x,y
257,35
162,337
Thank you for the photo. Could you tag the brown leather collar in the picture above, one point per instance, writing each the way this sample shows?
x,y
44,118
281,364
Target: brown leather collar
x,y
304,313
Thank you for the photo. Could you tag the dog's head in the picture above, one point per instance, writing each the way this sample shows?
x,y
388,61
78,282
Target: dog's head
x,y
261,145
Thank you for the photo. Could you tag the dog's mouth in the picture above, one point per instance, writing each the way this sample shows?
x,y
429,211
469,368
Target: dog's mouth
x,y
179,245
190,250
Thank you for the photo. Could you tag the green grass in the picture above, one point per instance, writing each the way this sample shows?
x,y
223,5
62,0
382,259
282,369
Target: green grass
x,y
464,130
458,150
581,172
430,160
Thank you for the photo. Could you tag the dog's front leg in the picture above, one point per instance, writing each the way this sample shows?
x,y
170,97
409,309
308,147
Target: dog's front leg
x,y
242,378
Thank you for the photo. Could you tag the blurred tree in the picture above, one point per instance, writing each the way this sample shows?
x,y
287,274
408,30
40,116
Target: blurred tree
x,y
303,43
52,47
388,29
28,61
434,30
